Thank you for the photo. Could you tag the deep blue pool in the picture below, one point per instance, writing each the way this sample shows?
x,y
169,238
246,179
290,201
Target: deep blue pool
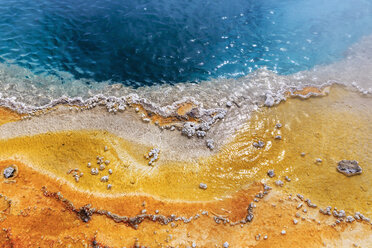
x,y
169,41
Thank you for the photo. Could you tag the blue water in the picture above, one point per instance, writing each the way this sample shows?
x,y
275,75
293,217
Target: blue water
x,y
169,41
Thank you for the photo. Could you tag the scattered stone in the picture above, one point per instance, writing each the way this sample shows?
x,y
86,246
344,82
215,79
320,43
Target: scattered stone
x,y
226,245
312,205
303,154
9,172
102,167
295,221
228,104
278,125
287,179
301,197
339,214
279,183
200,134
104,178
318,160
89,165
259,144
105,149
304,210
350,219
193,245
299,206
110,171
94,171
202,186
269,102
107,162
265,237
349,167
278,137
210,143
188,129
109,186
283,232
153,155
298,215
266,187
271,173
326,211
359,216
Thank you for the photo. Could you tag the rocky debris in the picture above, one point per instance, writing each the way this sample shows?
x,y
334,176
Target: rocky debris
x,y
269,102
200,134
278,125
359,216
301,197
339,214
250,215
104,179
266,188
258,144
189,129
326,211
318,160
279,183
349,219
85,213
295,221
203,186
287,179
312,205
271,173
303,154
226,245
210,143
9,172
283,232
94,171
278,137
349,167
229,104
153,155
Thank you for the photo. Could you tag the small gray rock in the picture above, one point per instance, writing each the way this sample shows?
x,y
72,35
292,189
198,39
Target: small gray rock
x,y
349,167
9,172
271,173
202,186
259,144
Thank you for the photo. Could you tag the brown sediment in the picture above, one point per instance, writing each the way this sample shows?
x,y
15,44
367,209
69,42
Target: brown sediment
x,y
7,115
182,113
309,91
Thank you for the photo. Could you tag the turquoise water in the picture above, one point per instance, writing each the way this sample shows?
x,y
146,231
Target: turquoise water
x,y
168,41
